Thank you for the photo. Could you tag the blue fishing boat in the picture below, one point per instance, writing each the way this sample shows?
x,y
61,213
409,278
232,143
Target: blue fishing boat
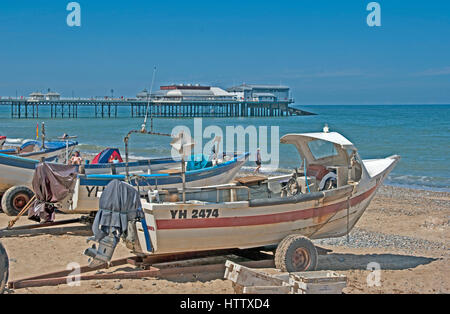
x,y
16,174
55,151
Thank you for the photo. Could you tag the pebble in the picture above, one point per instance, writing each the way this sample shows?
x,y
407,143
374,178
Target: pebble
x,y
97,284
360,238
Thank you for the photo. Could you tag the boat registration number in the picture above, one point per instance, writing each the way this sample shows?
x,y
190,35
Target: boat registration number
x,y
194,214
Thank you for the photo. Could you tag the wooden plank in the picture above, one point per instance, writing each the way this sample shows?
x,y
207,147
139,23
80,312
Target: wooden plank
x,y
152,272
44,225
64,273
169,171
165,258
250,180
209,268
52,231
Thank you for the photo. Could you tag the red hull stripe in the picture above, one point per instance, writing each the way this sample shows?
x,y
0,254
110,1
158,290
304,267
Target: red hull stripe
x,y
302,214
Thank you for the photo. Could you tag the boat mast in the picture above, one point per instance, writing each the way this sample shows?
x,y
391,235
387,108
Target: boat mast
x,y
143,129
43,135
149,96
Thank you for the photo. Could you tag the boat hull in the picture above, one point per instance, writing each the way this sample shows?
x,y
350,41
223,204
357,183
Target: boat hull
x,y
146,166
15,171
55,152
175,228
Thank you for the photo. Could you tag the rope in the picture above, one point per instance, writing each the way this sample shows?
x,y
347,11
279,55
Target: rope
x,y
12,222
306,176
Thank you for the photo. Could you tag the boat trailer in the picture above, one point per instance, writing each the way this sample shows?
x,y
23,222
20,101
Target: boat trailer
x,y
44,228
158,266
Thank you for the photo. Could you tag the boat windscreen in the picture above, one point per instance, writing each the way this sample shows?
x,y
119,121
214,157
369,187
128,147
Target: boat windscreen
x,y
322,149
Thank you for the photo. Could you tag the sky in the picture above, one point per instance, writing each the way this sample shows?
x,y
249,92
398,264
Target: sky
x,y
323,50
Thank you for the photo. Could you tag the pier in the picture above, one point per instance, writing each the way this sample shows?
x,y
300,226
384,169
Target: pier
x,y
172,101
26,109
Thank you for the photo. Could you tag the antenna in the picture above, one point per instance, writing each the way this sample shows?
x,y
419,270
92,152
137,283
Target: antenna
x,y
144,125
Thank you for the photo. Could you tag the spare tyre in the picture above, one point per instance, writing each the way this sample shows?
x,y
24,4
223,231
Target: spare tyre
x,y
15,199
4,268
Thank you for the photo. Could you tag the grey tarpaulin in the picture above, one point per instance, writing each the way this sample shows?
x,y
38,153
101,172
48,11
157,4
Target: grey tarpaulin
x,y
51,183
119,204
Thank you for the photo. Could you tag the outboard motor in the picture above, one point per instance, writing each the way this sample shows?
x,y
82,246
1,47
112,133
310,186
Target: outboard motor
x,y
104,253
120,207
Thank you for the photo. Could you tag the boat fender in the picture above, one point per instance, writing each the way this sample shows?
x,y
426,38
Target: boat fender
x,y
287,200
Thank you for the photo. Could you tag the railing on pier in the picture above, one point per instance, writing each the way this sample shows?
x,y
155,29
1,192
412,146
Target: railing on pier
x,y
114,108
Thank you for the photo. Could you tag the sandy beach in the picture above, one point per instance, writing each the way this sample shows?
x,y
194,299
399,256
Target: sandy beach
x,y
405,231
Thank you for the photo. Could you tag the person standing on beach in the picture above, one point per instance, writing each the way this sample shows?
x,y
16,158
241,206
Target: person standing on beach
x,y
258,161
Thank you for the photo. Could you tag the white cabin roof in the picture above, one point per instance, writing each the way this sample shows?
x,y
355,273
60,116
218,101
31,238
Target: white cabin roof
x,y
332,137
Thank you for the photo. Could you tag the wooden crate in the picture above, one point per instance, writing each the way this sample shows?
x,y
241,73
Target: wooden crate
x,y
271,281
317,282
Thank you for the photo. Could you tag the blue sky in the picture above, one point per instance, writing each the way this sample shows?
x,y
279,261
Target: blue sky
x,y
323,50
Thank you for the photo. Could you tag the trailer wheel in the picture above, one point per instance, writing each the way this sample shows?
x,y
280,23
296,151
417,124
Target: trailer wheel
x,y
15,199
296,253
4,268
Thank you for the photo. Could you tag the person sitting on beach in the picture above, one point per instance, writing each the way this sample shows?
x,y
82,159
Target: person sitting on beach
x,y
258,161
76,159
115,160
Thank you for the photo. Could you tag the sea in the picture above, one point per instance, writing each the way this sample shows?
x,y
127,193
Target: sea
x,y
420,134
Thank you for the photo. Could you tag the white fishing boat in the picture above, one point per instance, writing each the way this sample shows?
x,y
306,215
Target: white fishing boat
x,y
325,197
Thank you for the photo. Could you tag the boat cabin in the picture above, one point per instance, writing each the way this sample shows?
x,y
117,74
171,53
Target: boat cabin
x,y
328,158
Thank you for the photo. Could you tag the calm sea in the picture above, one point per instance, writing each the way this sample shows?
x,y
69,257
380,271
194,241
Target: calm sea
x,y
419,133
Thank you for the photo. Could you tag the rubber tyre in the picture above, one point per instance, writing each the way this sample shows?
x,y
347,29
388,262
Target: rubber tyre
x,y
4,268
15,199
296,253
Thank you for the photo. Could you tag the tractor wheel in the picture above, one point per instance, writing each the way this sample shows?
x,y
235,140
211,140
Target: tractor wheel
x,y
296,253
15,199
4,268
